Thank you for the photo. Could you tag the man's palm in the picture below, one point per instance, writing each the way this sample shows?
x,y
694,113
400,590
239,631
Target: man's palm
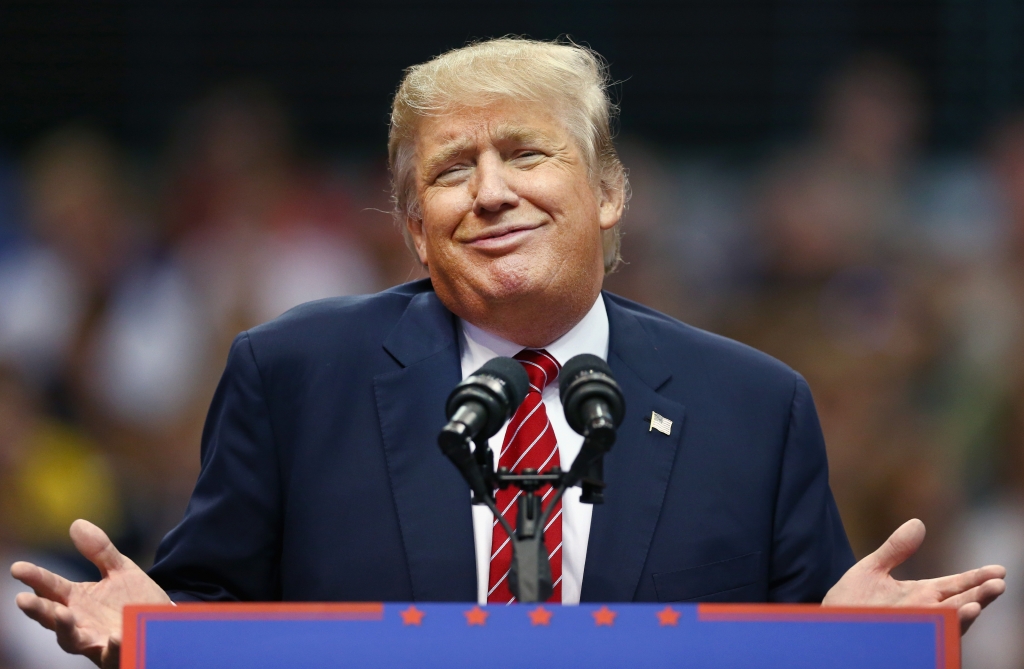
x,y
87,616
869,583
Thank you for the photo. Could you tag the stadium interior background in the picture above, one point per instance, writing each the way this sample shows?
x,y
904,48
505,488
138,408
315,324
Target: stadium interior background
x,y
839,183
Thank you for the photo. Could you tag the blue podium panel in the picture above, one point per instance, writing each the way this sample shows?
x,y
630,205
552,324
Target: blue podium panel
x,y
407,636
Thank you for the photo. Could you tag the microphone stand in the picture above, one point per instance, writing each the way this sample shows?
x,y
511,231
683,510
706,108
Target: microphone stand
x,y
530,572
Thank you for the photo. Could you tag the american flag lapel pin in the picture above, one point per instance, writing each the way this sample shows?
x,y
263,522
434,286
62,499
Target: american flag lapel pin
x,y
660,423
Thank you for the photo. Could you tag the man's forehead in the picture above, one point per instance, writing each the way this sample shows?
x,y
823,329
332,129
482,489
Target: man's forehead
x,y
441,138
499,133
472,125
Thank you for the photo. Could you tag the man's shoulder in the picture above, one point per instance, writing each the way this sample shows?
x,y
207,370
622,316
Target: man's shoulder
x,y
681,345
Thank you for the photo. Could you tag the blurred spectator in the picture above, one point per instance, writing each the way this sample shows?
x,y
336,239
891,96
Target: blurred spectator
x,y
685,238
979,297
259,230
247,232
985,388
50,474
837,201
94,316
993,532
369,186
994,535
79,241
123,325
647,273
840,301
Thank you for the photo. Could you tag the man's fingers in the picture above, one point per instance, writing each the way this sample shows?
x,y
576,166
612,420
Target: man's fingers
x,y
903,543
44,582
982,595
72,639
67,634
60,619
38,609
95,545
949,586
967,614
111,658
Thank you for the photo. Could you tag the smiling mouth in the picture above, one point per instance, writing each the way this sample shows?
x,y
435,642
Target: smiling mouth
x,y
493,238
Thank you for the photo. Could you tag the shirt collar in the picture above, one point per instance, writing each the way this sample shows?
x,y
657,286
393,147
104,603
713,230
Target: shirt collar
x,y
590,335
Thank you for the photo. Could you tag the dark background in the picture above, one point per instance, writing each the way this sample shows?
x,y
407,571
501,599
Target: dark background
x,y
716,73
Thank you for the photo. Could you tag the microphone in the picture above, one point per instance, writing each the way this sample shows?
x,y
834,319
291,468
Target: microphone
x,y
594,407
476,410
481,404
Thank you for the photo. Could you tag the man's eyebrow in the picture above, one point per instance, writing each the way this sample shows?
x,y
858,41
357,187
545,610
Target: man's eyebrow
x,y
520,134
502,133
443,155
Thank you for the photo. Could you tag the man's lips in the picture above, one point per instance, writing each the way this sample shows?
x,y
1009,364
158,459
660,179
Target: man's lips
x,y
501,237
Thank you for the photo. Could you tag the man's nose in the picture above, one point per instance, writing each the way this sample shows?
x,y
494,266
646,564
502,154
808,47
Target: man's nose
x,y
493,190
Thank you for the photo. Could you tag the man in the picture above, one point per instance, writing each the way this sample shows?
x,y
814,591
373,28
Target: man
x,y
321,476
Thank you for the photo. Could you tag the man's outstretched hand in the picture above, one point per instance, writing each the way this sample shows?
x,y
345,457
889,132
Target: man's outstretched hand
x,y
868,582
87,616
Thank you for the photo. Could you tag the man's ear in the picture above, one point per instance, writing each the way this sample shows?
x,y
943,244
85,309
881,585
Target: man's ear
x,y
612,203
415,227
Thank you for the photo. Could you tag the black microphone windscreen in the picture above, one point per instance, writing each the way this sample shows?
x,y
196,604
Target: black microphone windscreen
x,y
513,374
585,362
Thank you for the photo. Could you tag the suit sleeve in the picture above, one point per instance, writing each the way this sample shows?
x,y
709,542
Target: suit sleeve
x,y
810,550
227,547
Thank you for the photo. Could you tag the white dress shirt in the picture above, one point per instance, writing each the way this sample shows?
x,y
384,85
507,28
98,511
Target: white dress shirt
x,y
590,335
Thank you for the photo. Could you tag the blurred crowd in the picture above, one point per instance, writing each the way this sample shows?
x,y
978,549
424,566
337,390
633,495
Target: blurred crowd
x,y
892,278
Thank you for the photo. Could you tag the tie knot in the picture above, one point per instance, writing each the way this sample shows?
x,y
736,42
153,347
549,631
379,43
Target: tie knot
x,y
540,367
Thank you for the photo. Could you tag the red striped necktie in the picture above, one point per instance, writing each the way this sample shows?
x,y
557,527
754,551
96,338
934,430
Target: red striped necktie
x,y
529,443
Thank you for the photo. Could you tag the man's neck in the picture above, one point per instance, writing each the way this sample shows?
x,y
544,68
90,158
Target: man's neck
x,y
531,325
590,335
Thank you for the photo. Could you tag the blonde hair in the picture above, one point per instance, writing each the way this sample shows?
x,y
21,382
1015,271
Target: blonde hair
x,y
572,77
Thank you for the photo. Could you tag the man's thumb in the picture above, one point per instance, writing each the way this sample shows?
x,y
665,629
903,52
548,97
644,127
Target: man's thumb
x,y
95,545
903,543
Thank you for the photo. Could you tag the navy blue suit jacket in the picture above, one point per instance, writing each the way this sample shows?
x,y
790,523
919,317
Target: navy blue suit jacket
x,y
322,480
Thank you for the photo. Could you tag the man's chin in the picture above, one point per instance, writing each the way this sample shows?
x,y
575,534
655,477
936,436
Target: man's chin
x,y
502,283
511,278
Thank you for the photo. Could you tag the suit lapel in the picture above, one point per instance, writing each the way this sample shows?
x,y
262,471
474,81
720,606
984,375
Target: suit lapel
x,y
637,469
431,498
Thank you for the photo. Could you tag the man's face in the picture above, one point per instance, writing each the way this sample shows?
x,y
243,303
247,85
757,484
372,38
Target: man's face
x,y
508,209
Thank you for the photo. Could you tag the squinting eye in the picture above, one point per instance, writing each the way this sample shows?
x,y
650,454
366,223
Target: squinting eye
x,y
527,158
451,171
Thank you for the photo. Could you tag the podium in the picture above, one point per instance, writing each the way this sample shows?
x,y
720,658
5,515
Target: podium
x,y
399,636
